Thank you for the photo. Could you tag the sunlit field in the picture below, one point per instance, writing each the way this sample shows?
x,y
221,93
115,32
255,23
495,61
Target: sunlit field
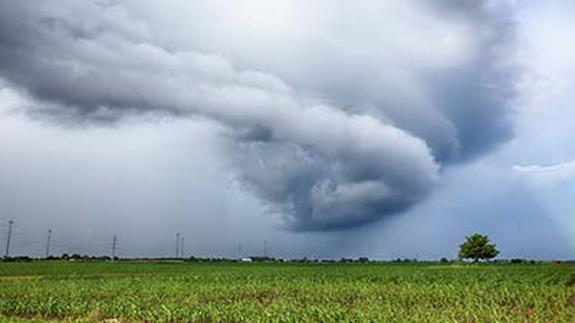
x,y
285,292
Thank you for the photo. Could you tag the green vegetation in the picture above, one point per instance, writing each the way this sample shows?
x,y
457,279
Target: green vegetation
x,y
477,247
287,292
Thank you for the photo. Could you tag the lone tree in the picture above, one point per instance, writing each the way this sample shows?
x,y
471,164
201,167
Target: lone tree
x,y
477,247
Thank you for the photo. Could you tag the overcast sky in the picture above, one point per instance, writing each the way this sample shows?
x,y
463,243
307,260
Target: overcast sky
x,y
328,129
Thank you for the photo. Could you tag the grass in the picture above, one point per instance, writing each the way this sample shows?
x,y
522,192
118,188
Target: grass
x,y
251,292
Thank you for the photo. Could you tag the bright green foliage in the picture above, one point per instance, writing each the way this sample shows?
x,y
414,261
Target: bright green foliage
x,y
274,292
477,247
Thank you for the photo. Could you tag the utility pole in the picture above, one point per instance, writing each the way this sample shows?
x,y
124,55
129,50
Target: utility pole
x,y
9,238
114,246
48,243
182,246
177,244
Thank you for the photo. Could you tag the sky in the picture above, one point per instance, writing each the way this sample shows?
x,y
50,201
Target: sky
x,y
319,128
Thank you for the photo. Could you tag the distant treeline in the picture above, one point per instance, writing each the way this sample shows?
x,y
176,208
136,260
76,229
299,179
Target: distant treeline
x,y
78,257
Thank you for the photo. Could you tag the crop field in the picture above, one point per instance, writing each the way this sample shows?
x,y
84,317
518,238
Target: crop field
x,y
285,292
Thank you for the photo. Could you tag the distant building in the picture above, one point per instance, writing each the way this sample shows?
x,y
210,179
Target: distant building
x,y
246,260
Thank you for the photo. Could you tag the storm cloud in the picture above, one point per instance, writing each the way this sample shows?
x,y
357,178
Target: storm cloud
x,y
332,114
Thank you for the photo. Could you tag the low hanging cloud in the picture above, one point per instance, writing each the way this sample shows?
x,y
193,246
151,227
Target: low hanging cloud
x,y
546,175
335,114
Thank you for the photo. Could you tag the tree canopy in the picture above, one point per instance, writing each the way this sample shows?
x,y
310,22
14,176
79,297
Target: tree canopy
x,y
477,247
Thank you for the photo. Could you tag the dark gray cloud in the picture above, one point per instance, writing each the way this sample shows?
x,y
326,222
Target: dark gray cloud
x,y
333,115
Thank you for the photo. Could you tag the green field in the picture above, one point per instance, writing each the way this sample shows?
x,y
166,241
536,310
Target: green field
x,y
204,292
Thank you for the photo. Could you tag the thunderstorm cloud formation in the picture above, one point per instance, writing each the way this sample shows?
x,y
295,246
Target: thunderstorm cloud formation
x,y
334,114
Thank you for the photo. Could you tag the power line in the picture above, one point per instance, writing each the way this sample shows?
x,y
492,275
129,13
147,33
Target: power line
x,y
10,223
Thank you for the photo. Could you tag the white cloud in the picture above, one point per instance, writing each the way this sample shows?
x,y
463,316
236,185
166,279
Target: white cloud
x,y
546,32
550,174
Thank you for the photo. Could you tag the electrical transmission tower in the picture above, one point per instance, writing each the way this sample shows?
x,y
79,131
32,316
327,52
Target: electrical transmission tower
x,y
8,239
114,246
177,244
48,243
